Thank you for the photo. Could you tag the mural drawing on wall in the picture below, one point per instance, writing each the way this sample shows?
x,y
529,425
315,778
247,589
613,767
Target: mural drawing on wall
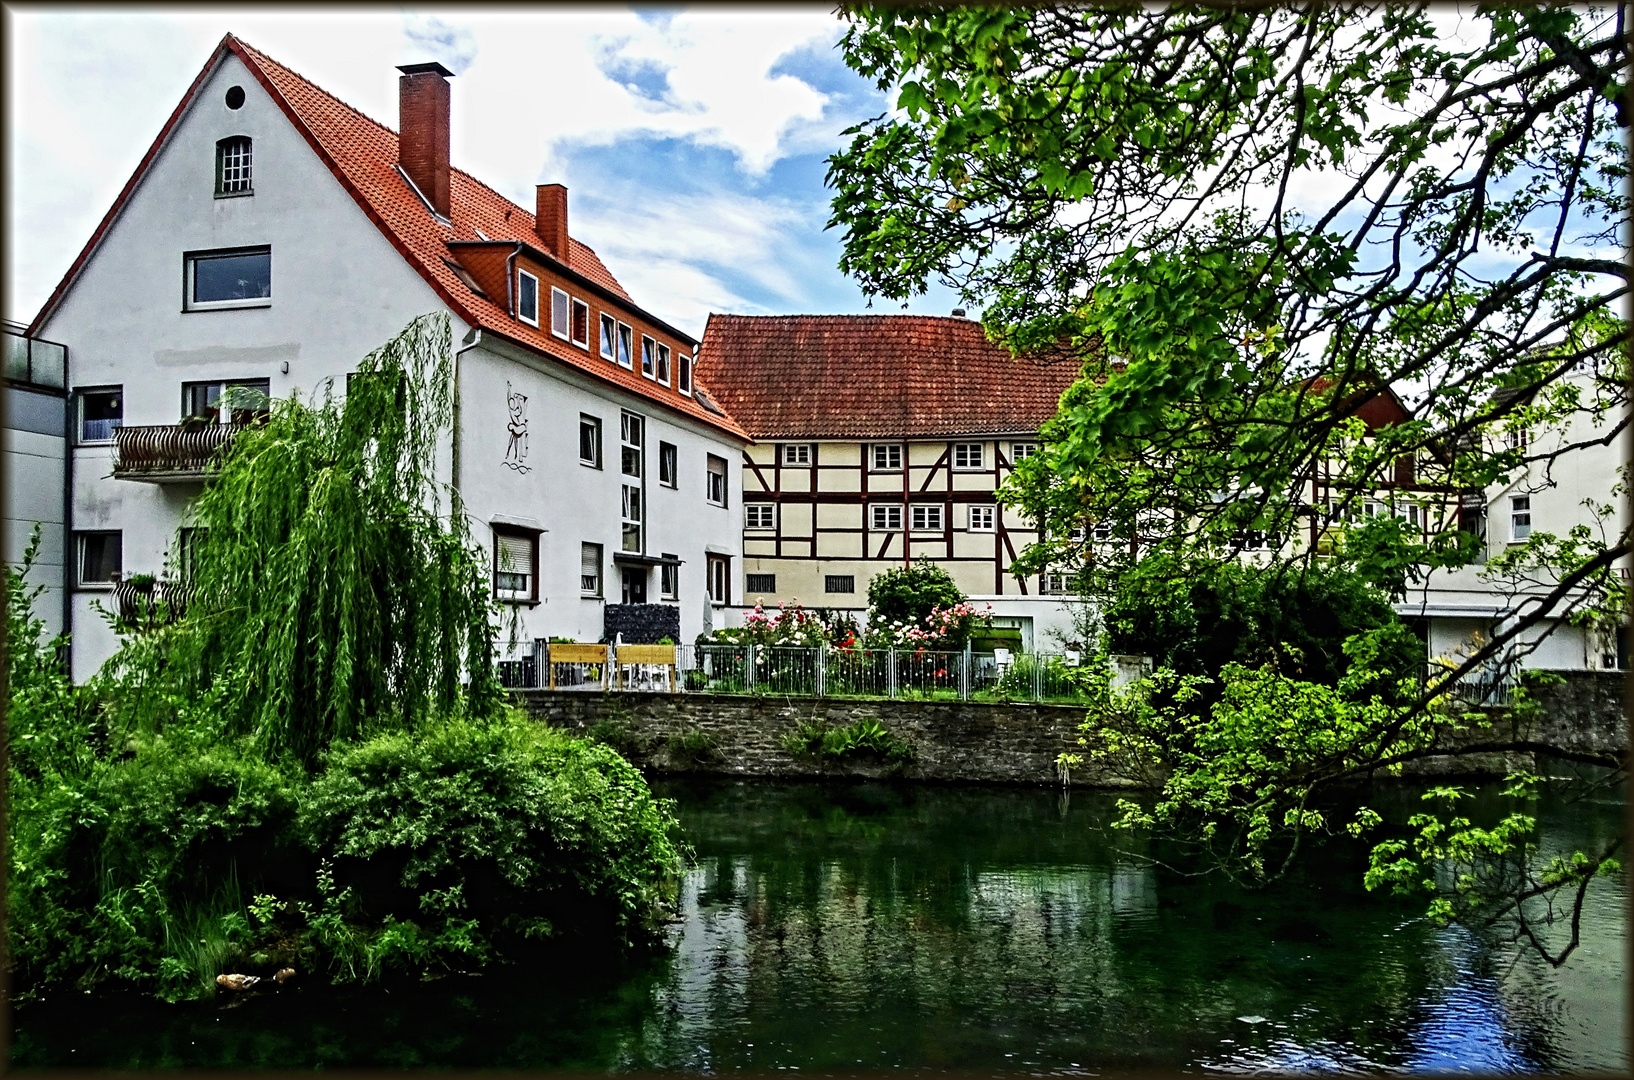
x,y
516,453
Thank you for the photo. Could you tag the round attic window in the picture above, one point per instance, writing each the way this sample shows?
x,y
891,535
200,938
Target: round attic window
x,y
235,97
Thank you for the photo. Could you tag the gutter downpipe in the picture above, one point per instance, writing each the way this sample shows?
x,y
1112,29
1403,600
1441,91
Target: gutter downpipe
x,y
454,447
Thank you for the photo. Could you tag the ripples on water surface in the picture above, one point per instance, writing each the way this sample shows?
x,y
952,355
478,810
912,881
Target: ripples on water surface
x,y
847,926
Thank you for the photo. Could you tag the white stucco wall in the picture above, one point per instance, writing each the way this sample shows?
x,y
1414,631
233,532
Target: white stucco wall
x,y
576,504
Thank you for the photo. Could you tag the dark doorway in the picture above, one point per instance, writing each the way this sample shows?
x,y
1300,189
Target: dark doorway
x,y
635,585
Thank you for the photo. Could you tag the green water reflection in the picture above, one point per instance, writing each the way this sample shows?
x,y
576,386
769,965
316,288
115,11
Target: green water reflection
x,y
872,926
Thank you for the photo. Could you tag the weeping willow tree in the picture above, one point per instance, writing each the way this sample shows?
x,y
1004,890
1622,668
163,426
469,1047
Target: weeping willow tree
x,y
334,587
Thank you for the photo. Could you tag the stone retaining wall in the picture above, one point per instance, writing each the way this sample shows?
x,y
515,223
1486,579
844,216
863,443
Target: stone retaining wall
x,y
952,740
976,742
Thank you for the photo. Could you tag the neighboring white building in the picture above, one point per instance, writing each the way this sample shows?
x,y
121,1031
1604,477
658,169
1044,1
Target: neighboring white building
x,y
1463,608
273,236
36,466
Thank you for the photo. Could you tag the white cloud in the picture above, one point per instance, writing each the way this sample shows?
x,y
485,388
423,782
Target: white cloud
x,y
686,249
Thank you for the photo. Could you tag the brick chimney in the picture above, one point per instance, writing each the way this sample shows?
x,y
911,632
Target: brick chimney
x,y
422,138
550,218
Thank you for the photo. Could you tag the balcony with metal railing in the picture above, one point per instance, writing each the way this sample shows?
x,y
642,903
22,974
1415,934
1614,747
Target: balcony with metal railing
x,y
170,453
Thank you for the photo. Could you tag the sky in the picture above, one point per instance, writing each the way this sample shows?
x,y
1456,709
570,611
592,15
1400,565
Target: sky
x,y
692,141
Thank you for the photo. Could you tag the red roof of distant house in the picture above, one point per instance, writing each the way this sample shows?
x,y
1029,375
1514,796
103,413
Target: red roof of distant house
x,y
362,153
874,376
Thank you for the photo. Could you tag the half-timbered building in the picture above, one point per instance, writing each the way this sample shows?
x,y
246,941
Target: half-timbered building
x,y
880,440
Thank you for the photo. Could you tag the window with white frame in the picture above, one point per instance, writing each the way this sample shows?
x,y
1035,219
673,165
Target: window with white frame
x,y
590,569
885,517
561,314
101,413
100,556
716,468
527,297
632,440
981,518
667,468
759,515
663,363
719,570
590,440
669,577
233,158
886,457
625,337
631,521
1052,583
228,401
649,357
1021,451
683,373
516,565
927,517
609,338
968,456
581,324
1517,438
797,453
1520,517
240,277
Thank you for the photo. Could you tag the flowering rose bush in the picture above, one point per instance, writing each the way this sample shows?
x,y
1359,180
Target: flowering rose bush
x,y
789,626
944,628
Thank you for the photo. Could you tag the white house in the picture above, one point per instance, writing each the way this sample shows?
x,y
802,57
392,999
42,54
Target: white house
x,y
271,237
1463,608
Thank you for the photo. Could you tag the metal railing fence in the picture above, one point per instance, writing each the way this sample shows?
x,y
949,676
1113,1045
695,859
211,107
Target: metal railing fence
x,y
796,671
1486,687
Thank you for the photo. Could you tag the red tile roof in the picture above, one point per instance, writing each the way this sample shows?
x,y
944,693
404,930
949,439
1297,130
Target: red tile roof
x,y
874,376
362,153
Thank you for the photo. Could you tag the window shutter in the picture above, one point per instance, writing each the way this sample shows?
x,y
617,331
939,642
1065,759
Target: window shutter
x,y
516,555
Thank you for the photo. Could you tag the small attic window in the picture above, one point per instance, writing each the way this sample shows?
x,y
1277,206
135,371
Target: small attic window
x,y
233,160
235,97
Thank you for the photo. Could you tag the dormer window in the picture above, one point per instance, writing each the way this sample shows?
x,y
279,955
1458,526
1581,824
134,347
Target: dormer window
x,y
683,374
608,332
233,166
663,364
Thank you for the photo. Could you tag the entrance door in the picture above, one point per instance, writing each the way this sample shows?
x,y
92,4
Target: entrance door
x,y
635,585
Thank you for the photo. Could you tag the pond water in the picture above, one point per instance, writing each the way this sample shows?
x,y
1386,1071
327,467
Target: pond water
x,y
874,926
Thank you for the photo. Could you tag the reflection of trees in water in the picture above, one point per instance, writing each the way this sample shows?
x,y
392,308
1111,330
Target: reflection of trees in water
x,y
929,927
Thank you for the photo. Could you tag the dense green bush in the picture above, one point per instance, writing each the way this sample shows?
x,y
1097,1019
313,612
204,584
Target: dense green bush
x,y
463,835
130,868
908,594
1197,623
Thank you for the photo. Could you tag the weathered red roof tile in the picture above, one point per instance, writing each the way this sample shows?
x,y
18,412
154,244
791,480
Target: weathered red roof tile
x,y
874,376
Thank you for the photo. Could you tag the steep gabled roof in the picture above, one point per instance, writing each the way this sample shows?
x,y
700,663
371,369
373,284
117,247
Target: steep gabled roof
x,y
362,154
874,377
